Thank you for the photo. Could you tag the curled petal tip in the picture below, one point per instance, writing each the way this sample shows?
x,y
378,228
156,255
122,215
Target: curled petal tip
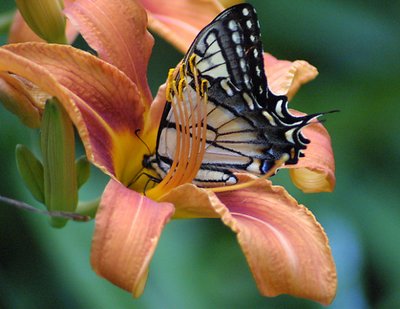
x,y
286,77
311,181
300,73
315,172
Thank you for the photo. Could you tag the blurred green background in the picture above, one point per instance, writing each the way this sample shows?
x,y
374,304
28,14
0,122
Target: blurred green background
x,y
198,264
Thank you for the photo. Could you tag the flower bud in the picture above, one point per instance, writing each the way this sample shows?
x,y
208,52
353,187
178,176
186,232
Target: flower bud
x,y
82,170
45,18
58,151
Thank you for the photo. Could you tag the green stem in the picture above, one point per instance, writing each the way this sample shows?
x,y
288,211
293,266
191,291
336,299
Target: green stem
x,y
53,214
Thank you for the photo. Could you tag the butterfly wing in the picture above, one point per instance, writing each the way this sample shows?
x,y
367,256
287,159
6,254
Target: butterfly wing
x,y
248,127
230,47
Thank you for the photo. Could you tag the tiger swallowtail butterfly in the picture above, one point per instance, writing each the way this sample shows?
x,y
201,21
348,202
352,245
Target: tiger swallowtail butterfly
x,y
248,127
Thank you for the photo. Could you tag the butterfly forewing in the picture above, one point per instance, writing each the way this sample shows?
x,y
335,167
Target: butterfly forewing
x,y
230,47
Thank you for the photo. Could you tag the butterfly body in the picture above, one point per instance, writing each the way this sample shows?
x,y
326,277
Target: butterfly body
x,y
248,128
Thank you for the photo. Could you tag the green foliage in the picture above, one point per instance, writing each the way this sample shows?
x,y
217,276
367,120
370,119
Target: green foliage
x,y
31,170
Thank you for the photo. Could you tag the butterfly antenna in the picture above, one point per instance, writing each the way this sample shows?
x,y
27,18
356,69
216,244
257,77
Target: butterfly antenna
x,y
137,135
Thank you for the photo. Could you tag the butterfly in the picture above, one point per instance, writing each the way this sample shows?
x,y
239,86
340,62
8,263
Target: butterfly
x,y
246,127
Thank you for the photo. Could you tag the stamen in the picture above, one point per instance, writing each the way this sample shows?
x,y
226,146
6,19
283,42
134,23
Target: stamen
x,y
191,128
180,141
191,132
181,124
199,125
279,163
170,81
197,140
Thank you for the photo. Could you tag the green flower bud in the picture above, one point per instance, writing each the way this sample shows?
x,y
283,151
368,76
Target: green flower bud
x,y
45,18
82,170
31,171
58,150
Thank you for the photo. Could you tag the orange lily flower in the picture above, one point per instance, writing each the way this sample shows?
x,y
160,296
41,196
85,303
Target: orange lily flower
x,y
108,100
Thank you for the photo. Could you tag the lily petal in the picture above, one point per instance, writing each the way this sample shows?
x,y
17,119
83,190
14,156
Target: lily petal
x,y
180,21
20,31
153,117
156,109
286,248
315,172
128,227
117,31
286,77
199,205
101,101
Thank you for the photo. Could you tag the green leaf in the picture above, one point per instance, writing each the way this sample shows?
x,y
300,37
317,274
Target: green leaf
x,y
31,170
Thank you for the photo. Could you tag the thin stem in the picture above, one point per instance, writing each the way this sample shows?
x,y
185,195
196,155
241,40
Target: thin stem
x,y
56,214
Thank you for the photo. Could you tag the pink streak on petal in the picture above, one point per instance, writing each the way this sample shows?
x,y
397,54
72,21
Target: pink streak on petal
x,y
180,21
117,31
286,248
